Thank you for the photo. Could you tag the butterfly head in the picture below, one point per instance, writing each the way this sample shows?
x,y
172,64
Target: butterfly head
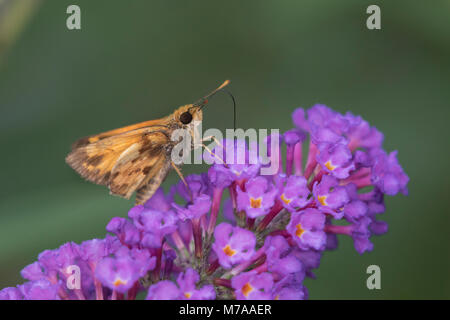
x,y
188,114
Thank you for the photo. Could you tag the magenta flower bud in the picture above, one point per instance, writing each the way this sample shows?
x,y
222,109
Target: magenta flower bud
x,y
360,233
388,175
299,119
33,272
291,139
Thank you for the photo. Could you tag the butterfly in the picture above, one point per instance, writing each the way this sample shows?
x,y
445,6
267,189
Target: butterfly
x,y
135,158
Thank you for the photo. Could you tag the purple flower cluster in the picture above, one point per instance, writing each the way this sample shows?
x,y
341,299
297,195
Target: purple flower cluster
x,y
271,235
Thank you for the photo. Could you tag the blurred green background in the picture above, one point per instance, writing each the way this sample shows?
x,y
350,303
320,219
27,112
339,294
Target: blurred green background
x,y
138,60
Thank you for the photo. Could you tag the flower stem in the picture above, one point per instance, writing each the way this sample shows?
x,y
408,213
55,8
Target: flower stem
x,y
347,230
298,159
311,162
277,207
261,268
197,232
283,233
63,294
155,272
289,159
222,282
133,291
244,265
317,178
179,243
217,197
98,290
213,267
232,191
250,223
79,294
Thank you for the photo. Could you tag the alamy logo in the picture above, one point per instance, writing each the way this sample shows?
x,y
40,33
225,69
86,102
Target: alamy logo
x,y
73,274
73,21
374,280
261,149
374,20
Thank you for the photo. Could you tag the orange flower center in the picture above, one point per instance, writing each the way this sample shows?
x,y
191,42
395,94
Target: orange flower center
x,y
322,200
299,230
285,200
330,166
255,203
118,282
188,295
246,289
228,251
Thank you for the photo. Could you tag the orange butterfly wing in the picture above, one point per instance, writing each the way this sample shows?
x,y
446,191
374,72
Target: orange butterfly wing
x,y
123,162
155,124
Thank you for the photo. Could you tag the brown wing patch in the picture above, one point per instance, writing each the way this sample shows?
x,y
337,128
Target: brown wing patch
x,y
137,165
80,142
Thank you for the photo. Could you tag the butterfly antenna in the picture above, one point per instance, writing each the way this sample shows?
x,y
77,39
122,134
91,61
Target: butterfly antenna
x,y
234,107
203,101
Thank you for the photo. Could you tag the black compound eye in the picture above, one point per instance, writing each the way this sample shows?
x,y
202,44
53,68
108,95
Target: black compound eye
x,y
186,118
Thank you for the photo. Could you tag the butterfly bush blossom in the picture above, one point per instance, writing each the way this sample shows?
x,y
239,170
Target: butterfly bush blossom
x,y
271,233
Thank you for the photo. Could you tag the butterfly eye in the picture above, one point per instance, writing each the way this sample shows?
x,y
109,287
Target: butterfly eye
x,y
186,118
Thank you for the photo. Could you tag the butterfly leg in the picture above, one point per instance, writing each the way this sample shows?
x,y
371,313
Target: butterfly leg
x,y
213,154
201,144
178,171
212,138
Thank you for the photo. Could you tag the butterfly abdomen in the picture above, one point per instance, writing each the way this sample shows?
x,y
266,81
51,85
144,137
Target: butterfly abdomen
x,y
146,192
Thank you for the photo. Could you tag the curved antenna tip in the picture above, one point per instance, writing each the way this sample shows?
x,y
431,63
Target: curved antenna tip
x,y
203,101
224,84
